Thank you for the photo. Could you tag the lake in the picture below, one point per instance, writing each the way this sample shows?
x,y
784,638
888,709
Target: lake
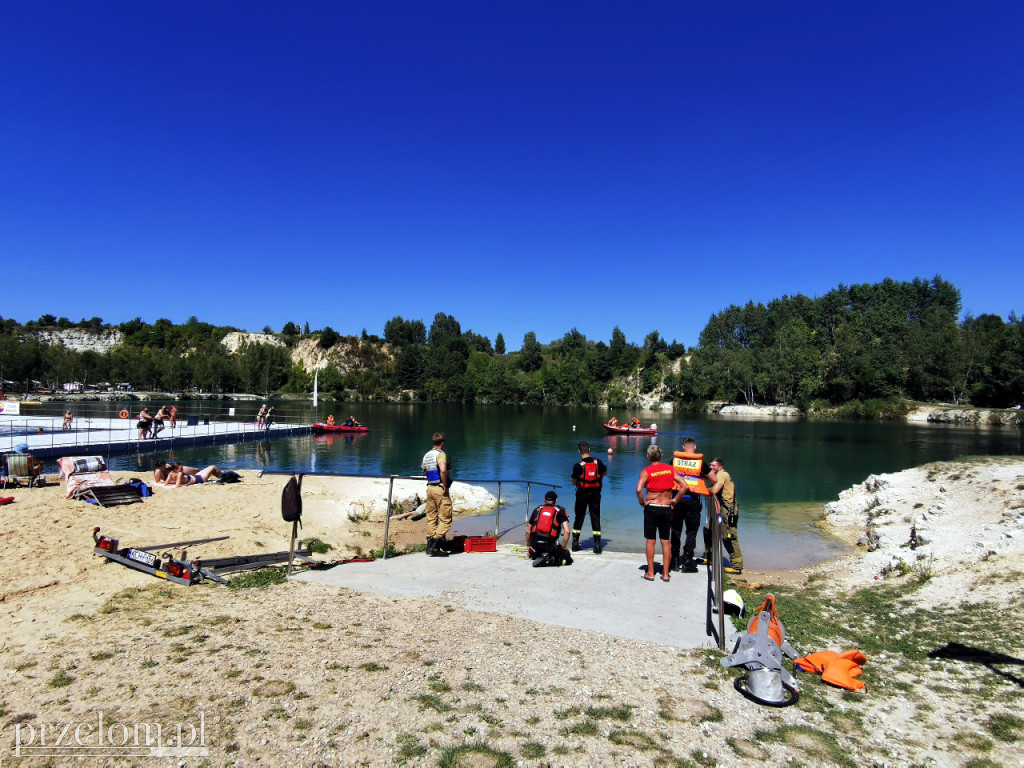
x,y
784,469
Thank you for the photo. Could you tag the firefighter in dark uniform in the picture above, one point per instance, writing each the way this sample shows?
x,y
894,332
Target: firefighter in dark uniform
x,y
587,475
547,523
687,504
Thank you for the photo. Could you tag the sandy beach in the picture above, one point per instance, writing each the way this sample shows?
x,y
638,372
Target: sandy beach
x,y
303,674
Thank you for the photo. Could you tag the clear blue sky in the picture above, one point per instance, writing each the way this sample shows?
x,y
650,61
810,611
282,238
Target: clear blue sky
x,y
519,165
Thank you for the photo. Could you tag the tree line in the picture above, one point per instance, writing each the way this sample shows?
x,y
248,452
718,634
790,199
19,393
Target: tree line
x,y
861,343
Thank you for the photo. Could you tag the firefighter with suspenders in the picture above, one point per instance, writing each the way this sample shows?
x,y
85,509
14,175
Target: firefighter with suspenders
x,y
588,476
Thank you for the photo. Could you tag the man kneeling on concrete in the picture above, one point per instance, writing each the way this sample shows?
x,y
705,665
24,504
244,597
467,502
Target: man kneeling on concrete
x,y
547,523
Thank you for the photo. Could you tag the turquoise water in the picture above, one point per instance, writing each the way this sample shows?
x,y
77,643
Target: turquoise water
x,y
784,469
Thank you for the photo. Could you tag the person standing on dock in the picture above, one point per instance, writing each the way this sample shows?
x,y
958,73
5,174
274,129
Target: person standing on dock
x,y
66,426
654,492
439,503
260,415
588,476
687,503
158,420
145,422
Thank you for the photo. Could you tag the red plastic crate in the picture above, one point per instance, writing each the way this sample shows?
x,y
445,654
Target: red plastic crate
x,y
481,544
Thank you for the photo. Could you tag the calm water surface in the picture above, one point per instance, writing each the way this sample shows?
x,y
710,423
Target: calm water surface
x,y
784,469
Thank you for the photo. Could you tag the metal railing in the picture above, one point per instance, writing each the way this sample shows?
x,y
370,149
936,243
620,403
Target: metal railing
x,y
391,486
102,434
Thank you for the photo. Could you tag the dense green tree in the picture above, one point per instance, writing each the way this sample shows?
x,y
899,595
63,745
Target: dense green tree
x,y
529,358
328,338
399,332
499,345
443,329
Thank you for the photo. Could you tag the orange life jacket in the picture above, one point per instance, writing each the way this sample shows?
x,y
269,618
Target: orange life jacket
x,y
613,422
689,466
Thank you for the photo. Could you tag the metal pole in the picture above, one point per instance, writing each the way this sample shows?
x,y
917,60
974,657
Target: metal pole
x,y
387,517
527,502
716,559
497,512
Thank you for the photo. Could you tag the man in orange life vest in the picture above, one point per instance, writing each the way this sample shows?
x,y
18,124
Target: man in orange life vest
x,y
587,476
547,523
686,505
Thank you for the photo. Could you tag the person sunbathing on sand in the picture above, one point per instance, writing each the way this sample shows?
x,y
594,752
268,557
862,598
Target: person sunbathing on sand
x,y
163,468
177,476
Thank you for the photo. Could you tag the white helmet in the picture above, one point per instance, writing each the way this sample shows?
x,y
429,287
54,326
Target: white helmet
x,y
733,603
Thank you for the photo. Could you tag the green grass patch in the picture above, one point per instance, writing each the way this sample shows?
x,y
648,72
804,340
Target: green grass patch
x,y
634,740
274,688
437,684
409,747
318,546
819,747
265,577
61,679
622,713
476,755
582,728
431,701
372,666
532,750
1005,727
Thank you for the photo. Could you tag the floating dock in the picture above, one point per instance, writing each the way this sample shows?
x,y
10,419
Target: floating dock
x,y
103,437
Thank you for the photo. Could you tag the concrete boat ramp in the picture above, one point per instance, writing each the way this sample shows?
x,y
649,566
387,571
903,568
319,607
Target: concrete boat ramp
x,y
603,592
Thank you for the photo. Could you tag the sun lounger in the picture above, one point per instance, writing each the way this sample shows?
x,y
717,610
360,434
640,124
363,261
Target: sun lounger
x,y
18,468
80,473
111,495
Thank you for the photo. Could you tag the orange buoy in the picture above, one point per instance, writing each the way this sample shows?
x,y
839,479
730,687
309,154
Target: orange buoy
x,y
123,414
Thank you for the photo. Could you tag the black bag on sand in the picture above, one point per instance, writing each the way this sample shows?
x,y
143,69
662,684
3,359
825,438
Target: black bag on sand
x,y
229,476
291,501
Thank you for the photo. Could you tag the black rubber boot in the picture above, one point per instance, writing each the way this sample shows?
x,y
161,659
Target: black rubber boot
x,y
430,547
688,566
575,542
439,548
597,544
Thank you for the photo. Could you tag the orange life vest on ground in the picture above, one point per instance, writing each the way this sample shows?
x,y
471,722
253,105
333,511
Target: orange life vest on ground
x,y
689,465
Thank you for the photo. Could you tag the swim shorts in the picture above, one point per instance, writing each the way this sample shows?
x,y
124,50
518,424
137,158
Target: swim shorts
x,y
657,521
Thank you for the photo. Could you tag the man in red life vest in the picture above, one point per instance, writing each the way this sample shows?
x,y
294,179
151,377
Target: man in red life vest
x,y
654,492
587,476
547,523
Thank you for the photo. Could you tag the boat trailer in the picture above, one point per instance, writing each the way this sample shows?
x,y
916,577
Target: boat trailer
x,y
180,569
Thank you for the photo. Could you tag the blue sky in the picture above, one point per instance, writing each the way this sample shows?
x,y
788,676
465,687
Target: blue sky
x,y
519,165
